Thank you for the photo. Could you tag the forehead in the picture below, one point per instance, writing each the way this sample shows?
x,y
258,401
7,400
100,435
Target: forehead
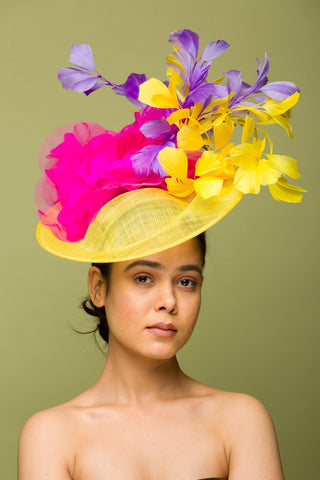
x,y
187,253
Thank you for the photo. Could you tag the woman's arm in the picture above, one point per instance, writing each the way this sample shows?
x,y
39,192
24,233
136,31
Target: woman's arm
x,y
253,452
42,450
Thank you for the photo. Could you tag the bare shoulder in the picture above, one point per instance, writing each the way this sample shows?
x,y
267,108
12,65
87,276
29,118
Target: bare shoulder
x,y
45,423
234,406
248,434
43,445
55,423
243,408
240,414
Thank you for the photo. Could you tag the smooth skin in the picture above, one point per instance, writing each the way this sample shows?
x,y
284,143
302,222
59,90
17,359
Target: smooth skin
x,y
144,419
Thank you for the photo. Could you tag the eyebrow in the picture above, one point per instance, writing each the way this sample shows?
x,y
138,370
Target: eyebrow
x,y
158,266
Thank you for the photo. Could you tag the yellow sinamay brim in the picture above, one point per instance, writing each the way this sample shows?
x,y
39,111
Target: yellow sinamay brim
x,y
139,223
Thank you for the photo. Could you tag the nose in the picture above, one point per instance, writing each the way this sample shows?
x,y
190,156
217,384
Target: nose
x,y
166,299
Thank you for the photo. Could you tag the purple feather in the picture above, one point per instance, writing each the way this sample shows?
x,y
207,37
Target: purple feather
x,y
214,50
156,128
81,55
130,89
200,94
186,39
279,90
74,79
145,161
234,80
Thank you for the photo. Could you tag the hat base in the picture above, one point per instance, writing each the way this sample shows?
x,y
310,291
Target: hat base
x,y
139,223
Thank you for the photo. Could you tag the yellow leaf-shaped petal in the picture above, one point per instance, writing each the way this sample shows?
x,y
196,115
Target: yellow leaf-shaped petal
x,y
180,114
172,59
226,150
220,105
173,85
197,109
180,188
246,179
205,124
189,138
247,129
218,80
244,154
155,93
285,192
284,123
176,75
278,108
220,117
162,101
180,97
170,72
260,144
174,162
287,165
223,133
227,187
266,136
268,172
229,171
263,117
210,163
207,187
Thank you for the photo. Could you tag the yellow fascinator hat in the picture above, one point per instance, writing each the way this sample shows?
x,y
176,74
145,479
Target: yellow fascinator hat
x,y
175,171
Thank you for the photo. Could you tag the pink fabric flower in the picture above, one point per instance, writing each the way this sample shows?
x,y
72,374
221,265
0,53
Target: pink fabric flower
x,y
89,168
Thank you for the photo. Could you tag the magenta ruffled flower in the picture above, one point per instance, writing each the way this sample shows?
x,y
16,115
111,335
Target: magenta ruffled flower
x,y
87,170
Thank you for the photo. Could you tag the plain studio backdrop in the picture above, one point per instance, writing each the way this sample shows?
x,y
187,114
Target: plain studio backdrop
x,y
258,330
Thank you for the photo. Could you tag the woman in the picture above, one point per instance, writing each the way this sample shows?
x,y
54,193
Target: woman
x,y
135,204
144,418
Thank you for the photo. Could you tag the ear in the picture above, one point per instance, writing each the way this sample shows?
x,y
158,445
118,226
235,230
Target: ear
x,y
97,286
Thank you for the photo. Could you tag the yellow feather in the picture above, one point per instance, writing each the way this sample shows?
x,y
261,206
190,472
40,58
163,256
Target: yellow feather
x,y
189,138
286,192
156,94
174,162
207,187
180,188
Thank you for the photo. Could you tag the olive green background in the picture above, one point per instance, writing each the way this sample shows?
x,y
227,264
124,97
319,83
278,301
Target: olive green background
x,y
258,330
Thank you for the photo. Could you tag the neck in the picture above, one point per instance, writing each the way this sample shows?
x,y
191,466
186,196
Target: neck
x,y
132,379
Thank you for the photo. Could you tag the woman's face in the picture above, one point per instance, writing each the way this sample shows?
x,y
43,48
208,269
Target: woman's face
x,y
152,303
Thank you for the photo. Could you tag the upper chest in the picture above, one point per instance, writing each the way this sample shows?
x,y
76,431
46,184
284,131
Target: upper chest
x,y
170,443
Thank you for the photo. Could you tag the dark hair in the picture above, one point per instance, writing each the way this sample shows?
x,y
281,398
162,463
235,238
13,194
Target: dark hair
x,y
99,312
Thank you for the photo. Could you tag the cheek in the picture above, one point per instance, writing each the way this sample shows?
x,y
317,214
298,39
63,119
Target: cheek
x,y
121,310
194,318
194,312
191,311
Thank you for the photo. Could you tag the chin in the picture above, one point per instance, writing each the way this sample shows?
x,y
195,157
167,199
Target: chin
x,y
162,351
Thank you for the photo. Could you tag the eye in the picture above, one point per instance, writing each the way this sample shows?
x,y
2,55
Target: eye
x,y
143,279
188,283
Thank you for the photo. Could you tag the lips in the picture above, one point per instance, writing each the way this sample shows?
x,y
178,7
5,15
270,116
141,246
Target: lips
x,y
162,329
